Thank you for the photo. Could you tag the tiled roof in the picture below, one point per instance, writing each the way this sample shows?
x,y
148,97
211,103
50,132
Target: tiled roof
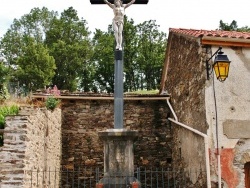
x,y
212,33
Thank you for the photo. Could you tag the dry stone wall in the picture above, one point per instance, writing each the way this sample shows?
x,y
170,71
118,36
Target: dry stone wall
x,y
83,119
38,140
31,144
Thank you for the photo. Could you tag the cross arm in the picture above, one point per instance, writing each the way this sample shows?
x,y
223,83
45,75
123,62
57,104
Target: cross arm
x,y
124,1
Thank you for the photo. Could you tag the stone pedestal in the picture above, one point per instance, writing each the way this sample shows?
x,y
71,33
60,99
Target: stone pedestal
x,y
118,157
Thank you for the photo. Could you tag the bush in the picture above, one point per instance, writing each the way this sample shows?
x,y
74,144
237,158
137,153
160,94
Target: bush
x,y
2,121
51,103
5,111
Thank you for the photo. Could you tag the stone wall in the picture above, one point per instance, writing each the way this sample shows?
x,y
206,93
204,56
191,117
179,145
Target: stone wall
x,y
83,119
39,140
186,84
31,144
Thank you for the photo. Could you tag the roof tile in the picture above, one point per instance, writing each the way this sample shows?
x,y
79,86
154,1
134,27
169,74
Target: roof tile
x,y
214,33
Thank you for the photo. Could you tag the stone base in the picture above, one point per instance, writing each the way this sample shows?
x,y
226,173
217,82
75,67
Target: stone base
x,y
118,158
119,182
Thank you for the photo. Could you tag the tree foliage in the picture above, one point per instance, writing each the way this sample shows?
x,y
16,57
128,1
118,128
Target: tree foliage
x,y
3,73
3,80
44,48
26,56
144,47
35,67
152,45
70,46
232,27
131,67
103,58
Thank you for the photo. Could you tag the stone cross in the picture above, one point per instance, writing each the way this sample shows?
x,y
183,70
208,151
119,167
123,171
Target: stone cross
x,y
118,7
118,142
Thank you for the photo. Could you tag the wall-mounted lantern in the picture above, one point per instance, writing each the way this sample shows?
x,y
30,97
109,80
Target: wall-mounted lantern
x,y
221,65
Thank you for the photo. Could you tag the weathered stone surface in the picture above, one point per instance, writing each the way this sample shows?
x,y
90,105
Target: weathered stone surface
x,y
35,139
31,141
80,130
236,128
185,83
118,155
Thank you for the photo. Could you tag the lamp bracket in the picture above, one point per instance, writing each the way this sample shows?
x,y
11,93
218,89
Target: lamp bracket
x,y
208,65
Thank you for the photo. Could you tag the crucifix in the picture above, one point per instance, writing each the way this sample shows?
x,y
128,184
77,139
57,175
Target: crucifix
x,y
124,1
118,142
118,20
118,7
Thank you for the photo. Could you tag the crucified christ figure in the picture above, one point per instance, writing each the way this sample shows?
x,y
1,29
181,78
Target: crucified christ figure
x,y
119,12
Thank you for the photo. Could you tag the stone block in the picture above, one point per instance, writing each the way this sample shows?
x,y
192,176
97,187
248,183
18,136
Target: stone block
x,y
236,129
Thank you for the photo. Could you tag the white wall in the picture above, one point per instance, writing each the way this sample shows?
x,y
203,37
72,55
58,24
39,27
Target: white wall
x,y
233,112
232,96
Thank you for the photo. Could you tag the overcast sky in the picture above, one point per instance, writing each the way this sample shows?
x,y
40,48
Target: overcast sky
x,y
189,14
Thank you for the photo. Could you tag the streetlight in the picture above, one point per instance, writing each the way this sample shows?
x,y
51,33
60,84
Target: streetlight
x,y
221,65
221,68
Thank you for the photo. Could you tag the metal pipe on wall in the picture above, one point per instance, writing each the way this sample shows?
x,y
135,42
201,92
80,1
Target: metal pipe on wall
x,y
199,133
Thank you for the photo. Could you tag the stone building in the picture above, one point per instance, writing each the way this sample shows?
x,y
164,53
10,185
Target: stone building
x,y
211,118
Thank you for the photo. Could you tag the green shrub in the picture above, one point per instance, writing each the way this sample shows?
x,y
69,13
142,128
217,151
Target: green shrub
x,y
9,110
2,121
5,111
51,103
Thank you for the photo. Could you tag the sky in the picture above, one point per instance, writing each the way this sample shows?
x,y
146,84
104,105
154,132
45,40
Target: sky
x,y
188,14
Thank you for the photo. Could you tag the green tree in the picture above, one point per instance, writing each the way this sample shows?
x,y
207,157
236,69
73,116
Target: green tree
x,y
3,73
232,27
103,59
70,46
32,25
22,46
131,67
44,48
3,80
144,48
228,27
151,48
35,67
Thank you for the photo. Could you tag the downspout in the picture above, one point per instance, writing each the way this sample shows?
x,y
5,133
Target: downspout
x,y
217,138
219,169
172,110
175,120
